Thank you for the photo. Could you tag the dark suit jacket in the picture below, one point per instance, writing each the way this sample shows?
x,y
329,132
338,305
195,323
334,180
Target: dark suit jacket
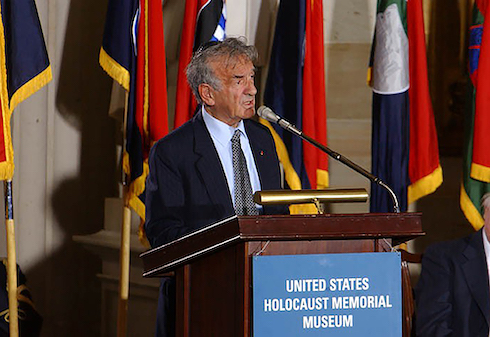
x,y
187,189
452,295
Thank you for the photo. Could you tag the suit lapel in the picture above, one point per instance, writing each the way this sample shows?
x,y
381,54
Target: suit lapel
x,y
263,159
209,166
477,281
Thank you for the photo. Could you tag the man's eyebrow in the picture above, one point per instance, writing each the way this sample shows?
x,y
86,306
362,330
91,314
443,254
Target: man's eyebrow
x,y
242,76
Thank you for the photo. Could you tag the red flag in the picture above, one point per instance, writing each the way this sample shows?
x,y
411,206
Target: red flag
x,y
480,165
184,102
151,93
150,108
314,106
204,20
424,169
157,74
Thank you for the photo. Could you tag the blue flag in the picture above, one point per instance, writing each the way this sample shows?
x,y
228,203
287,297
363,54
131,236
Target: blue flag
x,y
133,54
295,90
405,151
24,68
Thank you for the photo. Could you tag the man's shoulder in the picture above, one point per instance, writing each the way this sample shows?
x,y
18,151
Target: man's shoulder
x,y
178,137
176,145
253,126
453,247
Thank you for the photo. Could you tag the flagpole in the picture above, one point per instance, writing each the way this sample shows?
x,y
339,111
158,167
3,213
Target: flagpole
x,y
132,60
124,253
11,260
124,259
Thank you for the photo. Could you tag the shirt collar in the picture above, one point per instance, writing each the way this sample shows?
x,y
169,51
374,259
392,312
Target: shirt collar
x,y
221,131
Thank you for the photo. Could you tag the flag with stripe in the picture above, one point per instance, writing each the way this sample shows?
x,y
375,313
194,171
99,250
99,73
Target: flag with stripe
x,y
204,20
295,90
476,166
405,152
133,54
24,67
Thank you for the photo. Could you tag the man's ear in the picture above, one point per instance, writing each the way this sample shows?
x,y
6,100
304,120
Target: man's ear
x,y
207,94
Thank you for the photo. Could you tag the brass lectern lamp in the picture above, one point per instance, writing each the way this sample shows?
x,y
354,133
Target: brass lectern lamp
x,y
317,197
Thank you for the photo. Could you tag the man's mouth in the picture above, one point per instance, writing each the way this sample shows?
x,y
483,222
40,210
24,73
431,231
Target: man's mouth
x,y
249,104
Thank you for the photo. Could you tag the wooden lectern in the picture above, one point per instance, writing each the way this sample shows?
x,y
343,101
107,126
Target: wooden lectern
x,y
213,266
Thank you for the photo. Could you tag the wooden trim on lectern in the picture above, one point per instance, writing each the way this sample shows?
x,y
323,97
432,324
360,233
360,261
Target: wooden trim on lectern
x,y
399,227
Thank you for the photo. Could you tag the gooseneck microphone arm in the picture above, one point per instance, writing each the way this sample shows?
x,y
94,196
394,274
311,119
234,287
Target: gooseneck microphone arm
x,y
337,156
270,116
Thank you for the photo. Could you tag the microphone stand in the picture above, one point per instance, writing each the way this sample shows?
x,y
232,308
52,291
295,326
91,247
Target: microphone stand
x,y
337,156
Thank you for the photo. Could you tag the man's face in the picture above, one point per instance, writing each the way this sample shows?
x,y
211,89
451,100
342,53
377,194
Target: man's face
x,y
235,100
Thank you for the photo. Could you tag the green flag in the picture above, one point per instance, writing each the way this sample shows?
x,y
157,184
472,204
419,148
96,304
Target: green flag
x,y
473,189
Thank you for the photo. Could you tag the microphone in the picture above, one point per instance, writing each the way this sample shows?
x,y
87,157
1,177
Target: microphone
x,y
269,115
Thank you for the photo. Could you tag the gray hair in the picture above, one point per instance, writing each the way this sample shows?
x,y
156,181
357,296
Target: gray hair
x,y
198,71
485,201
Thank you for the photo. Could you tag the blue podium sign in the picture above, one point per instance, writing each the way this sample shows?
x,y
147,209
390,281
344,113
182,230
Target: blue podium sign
x,y
327,294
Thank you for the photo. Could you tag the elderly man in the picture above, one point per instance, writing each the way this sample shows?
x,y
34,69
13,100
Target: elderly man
x,y
208,169
452,295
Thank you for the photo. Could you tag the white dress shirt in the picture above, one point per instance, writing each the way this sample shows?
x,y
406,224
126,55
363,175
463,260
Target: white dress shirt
x,y
221,134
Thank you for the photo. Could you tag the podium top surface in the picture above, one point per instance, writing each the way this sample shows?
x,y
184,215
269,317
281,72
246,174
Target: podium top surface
x,y
399,227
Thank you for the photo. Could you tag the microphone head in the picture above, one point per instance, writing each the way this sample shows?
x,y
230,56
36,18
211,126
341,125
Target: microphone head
x,y
267,114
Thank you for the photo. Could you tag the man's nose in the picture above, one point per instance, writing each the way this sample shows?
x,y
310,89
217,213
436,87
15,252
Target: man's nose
x,y
251,89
